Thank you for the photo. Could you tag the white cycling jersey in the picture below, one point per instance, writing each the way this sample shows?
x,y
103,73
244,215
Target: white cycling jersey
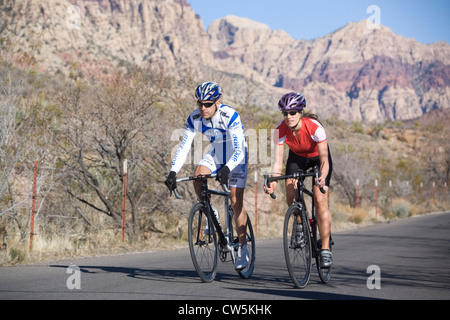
x,y
225,132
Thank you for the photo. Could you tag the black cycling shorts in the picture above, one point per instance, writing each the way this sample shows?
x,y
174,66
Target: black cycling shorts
x,y
296,163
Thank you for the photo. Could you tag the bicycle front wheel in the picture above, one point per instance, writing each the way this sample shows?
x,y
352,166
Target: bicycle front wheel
x,y
202,243
297,246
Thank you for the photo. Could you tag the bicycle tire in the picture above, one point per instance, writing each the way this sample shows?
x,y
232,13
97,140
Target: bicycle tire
x,y
202,246
248,270
298,257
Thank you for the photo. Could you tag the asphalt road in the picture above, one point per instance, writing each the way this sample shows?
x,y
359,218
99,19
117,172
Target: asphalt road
x,y
412,256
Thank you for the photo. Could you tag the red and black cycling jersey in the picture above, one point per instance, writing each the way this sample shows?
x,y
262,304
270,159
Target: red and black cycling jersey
x,y
305,145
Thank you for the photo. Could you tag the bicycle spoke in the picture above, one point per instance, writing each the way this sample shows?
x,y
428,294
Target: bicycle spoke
x,y
250,239
297,247
203,246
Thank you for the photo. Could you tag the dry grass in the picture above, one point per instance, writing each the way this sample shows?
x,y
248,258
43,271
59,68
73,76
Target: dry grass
x,y
61,247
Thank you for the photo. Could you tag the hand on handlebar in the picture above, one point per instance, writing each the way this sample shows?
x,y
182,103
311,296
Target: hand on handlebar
x,y
320,180
223,175
171,182
270,189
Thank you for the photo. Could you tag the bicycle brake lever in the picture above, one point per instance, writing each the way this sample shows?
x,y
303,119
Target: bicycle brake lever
x,y
266,179
318,174
177,195
225,188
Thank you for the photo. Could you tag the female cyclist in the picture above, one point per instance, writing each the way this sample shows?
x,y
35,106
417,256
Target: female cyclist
x,y
308,147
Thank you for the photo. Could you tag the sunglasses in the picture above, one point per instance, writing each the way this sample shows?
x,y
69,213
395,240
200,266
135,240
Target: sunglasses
x,y
292,113
206,104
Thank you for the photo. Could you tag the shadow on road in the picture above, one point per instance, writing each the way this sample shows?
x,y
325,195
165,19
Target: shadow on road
x,y
140,273
304,294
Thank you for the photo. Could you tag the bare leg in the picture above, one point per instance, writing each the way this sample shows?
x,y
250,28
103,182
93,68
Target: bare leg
x,y
323,216
240,214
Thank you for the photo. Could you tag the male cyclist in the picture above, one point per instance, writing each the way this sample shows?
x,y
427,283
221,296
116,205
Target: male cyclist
x,y
308,147
222,126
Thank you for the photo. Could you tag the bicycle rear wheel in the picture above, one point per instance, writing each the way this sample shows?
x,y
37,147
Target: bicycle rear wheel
x,y
297,246
202,244
250,237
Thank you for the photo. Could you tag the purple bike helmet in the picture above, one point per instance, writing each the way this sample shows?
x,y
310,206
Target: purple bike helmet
x,y
292,101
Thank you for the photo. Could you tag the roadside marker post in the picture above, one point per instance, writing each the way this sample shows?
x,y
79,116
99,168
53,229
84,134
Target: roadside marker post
x,y
124,188
33,205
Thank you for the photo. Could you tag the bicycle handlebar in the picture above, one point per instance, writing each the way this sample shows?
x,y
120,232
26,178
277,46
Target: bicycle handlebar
x,y
297,175
198,178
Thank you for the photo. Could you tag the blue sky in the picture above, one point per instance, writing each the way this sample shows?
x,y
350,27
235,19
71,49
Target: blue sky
x,y
425,20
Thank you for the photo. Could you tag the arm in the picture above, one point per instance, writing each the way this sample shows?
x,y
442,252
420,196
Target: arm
x,y
236,132
277,164
324,164
183,149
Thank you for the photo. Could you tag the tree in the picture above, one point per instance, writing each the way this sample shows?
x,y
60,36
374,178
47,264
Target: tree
x,y
350,164
104,126
25,133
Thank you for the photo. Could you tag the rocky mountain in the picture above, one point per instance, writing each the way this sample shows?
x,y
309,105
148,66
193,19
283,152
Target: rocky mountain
x,y
100,33
355,73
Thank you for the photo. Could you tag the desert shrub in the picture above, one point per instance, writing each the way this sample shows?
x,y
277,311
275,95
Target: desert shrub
x,y
401,209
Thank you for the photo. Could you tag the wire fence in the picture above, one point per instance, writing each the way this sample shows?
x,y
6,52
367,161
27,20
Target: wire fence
x,y
375,194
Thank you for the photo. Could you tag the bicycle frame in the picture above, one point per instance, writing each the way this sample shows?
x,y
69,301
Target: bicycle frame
x,y
312,223
299,199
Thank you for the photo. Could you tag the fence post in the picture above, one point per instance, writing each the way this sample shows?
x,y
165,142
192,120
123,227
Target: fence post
x,y
256,201
434,192
357,194
445,195
33,205
124,188
407,191
421,192
390,190
376,199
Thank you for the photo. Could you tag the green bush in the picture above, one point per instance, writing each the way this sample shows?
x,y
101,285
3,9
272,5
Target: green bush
x,y
16,255
401,209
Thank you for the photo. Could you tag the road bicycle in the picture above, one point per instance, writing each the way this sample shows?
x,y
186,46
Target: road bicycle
x,y
301,240
208,241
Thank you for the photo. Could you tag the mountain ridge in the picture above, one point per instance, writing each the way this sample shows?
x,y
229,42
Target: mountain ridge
x,y
353,72
363,74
